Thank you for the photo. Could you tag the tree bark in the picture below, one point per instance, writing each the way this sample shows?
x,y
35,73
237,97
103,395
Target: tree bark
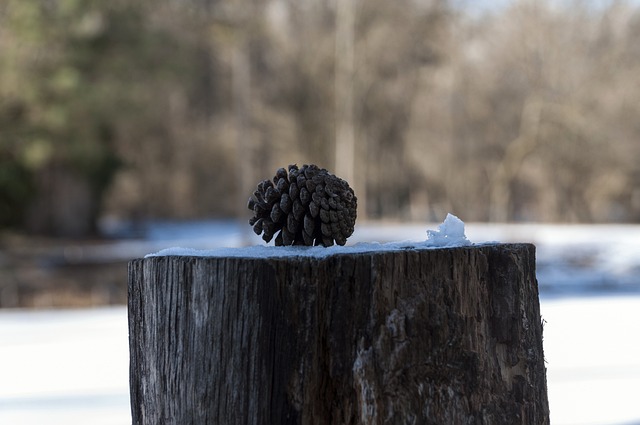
x,y
439,336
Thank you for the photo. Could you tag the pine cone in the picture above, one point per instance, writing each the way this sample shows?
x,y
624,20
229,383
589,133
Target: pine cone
x,y
306,206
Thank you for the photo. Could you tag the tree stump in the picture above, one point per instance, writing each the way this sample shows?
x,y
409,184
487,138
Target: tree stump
x,y
415,336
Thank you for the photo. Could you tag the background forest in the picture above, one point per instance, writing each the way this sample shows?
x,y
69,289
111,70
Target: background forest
x,y
177,108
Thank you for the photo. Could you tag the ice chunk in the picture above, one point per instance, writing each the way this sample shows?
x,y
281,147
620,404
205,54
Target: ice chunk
x,y
449,234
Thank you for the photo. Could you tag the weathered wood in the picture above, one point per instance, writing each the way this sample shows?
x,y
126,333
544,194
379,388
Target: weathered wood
x,y
444,336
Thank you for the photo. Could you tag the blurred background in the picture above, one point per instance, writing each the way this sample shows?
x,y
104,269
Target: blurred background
x,y
116,115
127,127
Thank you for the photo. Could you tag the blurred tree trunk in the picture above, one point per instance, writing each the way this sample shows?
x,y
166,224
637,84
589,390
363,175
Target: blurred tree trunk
x,y
511,162
241,80
345,143
65,204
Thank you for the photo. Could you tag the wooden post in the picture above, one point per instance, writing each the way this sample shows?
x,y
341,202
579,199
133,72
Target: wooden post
x,y
439,336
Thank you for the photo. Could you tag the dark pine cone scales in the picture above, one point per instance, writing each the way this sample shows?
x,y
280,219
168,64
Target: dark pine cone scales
x,y
306,206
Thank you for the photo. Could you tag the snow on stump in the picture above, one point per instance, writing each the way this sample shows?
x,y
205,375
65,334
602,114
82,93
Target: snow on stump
x,y
402,336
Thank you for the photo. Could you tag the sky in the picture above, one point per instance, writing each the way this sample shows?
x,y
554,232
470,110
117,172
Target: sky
x,y
487,6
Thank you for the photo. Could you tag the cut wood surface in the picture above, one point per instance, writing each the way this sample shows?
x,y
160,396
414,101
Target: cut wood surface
x,y
430,336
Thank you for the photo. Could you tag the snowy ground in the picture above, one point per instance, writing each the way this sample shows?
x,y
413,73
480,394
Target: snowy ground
x,y
71,366
64,367
592,348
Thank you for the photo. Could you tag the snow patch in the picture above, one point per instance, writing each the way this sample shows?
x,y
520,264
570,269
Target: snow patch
x,y
450,234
